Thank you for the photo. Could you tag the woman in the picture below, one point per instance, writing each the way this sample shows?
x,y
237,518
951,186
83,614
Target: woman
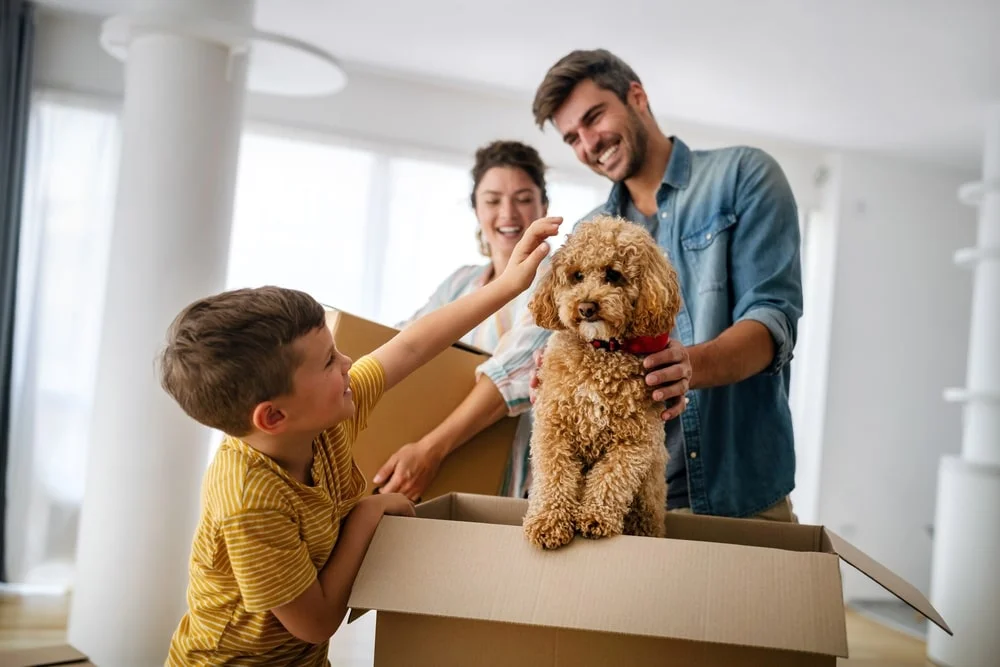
x,y
508,193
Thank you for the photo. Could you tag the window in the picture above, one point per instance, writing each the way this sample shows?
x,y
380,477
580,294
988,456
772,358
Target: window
x,y
572,201
64,245
430,232
299,218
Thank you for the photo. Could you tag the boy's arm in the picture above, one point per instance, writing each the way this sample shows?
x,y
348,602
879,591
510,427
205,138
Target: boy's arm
x,y
315,615
428,336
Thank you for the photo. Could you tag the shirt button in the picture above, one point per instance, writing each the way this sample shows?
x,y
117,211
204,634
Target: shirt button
x,y
693,455
663,214
708,237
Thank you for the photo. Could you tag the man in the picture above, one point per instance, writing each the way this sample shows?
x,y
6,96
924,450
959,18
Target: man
x,y
728,222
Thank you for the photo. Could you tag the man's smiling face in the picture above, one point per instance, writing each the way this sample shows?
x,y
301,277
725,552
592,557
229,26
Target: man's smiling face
x,y
606,134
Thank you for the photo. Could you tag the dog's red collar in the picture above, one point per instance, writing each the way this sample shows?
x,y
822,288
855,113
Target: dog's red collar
x,y
638,345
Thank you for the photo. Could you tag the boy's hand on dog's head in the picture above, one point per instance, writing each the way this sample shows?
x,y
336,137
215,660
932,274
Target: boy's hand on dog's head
x,y
670,377
529,252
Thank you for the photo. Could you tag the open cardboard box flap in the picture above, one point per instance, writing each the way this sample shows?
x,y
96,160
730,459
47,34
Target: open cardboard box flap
x,y
884,577
744,583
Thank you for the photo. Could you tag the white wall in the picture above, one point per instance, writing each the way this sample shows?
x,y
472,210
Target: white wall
x,y
810,367
899,335
425,116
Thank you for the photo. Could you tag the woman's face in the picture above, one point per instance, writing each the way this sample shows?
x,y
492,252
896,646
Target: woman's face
x,y
507,201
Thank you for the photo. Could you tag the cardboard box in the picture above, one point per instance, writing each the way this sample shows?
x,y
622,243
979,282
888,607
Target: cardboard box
x,y
419,403
460,586
63,654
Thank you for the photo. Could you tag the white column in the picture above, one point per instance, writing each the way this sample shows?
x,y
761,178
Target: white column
x,y
965,579
189,65
181,126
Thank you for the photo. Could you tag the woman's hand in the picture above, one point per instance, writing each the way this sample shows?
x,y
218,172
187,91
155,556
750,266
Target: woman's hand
x,y
529,253
409,471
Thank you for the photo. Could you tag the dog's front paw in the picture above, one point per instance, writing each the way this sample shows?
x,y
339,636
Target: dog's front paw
x,y
549,530
595,525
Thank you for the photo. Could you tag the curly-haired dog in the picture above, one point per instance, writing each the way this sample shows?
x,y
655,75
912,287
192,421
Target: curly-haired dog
x,y
597,450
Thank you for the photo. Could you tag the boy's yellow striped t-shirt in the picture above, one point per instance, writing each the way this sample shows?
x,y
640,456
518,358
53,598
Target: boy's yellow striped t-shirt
x,y
263,537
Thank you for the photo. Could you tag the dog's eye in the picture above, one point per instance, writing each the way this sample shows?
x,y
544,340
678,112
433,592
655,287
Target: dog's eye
x,y
576,276
613,277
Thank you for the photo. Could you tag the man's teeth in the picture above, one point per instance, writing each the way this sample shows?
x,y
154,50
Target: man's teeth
x,y
607,154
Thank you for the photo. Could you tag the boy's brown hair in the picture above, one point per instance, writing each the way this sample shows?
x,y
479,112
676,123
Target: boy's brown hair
x,y
601,66
229,352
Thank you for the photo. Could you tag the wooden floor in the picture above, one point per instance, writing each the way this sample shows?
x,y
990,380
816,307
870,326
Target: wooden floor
x,y
34,620
868,640
29,621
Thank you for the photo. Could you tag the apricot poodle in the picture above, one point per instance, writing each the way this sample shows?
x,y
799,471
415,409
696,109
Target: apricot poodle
x,y
597,450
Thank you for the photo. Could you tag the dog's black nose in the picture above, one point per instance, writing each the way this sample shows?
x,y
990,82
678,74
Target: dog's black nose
x,y
587,310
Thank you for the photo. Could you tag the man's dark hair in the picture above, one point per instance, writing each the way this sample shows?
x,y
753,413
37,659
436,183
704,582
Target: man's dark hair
x,y
601,66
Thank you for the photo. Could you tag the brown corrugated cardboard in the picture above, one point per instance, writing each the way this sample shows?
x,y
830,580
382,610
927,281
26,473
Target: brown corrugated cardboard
x,y
44,656
453,584
883,576
419,403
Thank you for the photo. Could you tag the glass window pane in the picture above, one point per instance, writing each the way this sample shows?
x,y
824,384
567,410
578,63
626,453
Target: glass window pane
x,y
300,218
431,231
65,236
572,201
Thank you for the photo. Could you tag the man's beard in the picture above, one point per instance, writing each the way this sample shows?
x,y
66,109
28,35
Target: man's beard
x,y
638,139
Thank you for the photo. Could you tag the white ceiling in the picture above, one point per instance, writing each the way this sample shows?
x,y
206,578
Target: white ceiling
x,y
909,77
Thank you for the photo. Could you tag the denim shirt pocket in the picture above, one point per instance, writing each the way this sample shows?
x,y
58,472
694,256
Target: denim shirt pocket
x,y
707,249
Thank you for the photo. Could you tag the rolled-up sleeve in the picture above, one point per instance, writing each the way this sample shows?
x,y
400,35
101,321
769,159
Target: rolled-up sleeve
x,y
766,262
782,332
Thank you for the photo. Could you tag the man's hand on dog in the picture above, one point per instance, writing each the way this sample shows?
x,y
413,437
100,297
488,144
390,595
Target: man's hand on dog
x,y
669,374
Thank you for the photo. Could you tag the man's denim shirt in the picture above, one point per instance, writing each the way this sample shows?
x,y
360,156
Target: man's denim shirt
x,y
729,224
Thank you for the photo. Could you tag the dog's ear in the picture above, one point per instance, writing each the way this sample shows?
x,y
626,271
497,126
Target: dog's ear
x,y
659,298
543,302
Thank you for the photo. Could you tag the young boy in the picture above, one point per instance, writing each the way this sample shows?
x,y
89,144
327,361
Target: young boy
x,y
285,523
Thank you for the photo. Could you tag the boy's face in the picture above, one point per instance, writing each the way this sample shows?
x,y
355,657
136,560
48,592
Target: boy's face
x,y
321,394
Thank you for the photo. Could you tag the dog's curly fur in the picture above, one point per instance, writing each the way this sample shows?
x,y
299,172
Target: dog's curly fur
x,y
597,450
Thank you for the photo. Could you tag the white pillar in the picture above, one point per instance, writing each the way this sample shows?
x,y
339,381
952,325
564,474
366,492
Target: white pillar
x,y
965,579
189,65
181,126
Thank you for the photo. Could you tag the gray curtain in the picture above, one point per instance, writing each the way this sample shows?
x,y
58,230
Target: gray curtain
x,y
17,31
